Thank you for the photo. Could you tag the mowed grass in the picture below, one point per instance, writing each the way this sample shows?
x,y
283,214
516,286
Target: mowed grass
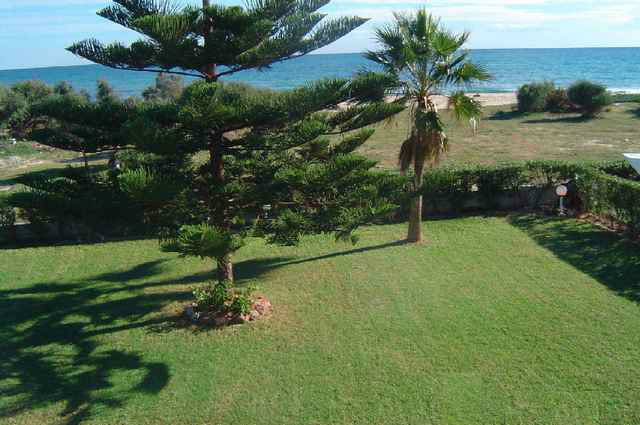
x,y
517,320
507,136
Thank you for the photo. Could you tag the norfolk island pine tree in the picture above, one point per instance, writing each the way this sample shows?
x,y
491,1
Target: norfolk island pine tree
x,y
213,41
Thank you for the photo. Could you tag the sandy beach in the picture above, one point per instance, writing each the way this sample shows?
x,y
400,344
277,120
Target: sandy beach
x,y
487,99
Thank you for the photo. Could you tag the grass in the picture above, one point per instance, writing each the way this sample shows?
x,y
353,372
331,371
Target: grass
x,y
517,320
508,136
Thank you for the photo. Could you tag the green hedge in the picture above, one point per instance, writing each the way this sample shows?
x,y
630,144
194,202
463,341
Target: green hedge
x,y
602,188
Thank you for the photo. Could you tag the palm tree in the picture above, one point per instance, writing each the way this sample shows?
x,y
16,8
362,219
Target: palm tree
x,y
425,59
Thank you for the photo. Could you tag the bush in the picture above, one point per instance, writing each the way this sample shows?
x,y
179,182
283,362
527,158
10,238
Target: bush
x,y
611,197
557,100
604,189
625,98
223,297
533,97
213,296
590,98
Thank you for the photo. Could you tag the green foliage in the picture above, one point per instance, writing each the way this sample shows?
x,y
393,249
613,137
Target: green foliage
x,y
264,147
590,98
136,201
213,295
7,214
425,58
204,241
254,36
223,297
147,187
71,122
166,88
241,301
612,197
625,98
557,100
63,88
73,197
533,97
106,93
601,187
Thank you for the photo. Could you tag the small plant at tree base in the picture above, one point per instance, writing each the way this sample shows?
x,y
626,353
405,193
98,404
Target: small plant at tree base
x,y
533,97
213,295
590,98
241,301
222,297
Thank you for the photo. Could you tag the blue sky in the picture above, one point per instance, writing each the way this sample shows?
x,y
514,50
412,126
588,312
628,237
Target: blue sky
x,y
34,33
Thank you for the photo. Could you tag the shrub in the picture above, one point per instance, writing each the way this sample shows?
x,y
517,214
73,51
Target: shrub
x,y
241,301
590,98
557,100
7,221
612,197
7,215
625,98
213,295
533,97
223,297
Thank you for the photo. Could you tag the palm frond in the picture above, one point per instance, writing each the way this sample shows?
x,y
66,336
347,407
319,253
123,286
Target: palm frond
x,y
464,107
406,154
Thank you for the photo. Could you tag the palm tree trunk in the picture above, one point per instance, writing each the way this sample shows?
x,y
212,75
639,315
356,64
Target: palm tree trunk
x,y
414,235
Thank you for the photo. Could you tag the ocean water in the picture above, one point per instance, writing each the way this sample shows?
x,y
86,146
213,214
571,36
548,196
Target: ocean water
x,y
617,68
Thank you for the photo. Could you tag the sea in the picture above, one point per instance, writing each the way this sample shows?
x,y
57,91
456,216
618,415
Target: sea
x,y
617,68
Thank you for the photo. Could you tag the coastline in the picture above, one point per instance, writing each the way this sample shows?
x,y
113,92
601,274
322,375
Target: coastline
x,y
486,99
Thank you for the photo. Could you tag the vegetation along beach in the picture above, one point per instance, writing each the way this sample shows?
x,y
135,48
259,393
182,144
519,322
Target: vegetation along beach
x,y
316,212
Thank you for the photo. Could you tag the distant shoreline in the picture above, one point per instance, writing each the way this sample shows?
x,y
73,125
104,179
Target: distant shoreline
x,y
486,99
615,68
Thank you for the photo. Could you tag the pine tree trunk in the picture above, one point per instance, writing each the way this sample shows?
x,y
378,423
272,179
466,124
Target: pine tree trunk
x,y
217,211
210,69
225,268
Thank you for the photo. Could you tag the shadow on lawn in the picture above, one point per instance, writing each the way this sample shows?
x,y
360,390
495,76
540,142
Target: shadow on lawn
x,y
50,333
605,256
49,345
505,116
252,269
571,120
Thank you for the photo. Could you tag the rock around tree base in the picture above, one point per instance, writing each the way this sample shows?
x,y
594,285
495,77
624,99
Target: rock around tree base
x,y
260,309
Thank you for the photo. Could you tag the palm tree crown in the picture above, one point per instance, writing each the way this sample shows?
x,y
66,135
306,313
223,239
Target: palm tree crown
x,y
426,59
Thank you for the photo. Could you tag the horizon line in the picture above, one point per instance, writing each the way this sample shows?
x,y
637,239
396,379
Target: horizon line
x,y
352,53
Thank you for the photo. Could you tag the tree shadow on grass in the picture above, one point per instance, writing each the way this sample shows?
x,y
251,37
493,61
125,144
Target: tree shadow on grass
x,y
251,269
569,120
603,255
505,116
51,345
51,350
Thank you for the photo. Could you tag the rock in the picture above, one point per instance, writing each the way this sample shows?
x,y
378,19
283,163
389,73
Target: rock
x,y
254,315
191,313
262,306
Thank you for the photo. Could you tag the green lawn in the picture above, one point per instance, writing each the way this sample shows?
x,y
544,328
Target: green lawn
x,y
506,136
518,320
